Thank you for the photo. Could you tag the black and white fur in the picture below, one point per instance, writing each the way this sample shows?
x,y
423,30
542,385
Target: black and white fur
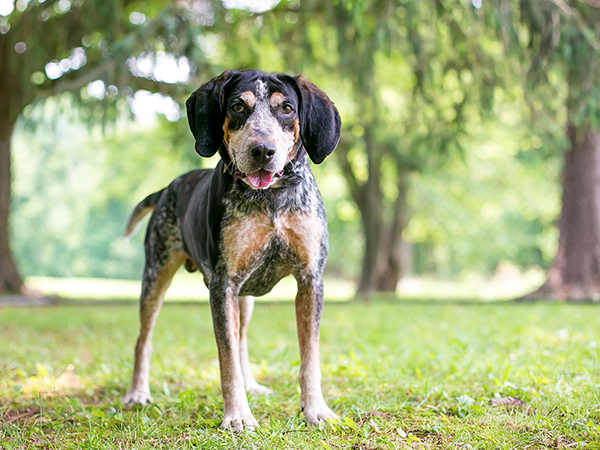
x,y
244,239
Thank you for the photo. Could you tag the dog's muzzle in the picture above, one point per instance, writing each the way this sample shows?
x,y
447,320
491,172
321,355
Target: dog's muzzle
x,y
259,179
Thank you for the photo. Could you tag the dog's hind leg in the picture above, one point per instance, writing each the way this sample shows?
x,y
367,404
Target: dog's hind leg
x,y
155,283
252,387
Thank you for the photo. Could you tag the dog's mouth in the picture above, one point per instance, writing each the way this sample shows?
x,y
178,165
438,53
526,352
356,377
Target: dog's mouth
x,y
259,179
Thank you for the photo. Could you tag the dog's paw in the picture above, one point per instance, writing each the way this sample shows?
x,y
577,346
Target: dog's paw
x,y
319,413
238,421
258,389
137,398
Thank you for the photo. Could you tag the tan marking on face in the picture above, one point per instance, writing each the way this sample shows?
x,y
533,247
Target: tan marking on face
x,y
276,99
249,98
226,131
243,238
303,233
227,135
294,148
296,130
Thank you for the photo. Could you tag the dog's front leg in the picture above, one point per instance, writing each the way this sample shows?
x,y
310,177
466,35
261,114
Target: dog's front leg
x,y
226,322
309,305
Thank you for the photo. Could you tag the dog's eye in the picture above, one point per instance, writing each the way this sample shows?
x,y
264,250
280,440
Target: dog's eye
x,y
237,108
287,109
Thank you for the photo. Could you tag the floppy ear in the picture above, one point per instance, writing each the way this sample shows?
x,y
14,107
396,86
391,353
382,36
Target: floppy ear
x,y
320,123
206,113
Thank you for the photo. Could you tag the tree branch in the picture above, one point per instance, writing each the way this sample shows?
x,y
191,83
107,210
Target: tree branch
x,y
155,86
71,81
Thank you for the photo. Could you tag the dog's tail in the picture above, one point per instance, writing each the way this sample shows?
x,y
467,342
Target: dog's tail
x,y
144,207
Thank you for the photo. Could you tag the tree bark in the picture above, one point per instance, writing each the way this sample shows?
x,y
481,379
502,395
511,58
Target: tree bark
x,y
575,273
10,280
372,219
394,251
386,255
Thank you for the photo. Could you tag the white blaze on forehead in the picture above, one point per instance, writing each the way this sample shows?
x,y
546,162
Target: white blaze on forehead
x,y
262,119
261,89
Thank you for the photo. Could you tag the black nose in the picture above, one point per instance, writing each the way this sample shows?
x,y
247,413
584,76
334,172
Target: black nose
x,y
262,152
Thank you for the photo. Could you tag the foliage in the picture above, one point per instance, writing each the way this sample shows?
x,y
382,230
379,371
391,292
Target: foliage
x,y
498,203
394,382
83,206
414,81
408,77
556,50
116,42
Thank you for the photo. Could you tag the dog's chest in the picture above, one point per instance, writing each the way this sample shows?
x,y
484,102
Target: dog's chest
x,y
259,248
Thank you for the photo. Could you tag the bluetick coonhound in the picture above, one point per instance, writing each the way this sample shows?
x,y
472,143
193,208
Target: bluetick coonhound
x,y
254,219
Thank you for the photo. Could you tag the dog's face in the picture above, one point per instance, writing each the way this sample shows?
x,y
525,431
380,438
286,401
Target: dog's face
x,y
261,129
263,120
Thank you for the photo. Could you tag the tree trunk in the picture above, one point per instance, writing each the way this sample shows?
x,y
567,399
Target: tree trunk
x,y
575,273
10,281
386,256
394,251
372,220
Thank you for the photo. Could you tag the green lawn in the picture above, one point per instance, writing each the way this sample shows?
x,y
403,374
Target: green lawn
x,y
190,287
401,375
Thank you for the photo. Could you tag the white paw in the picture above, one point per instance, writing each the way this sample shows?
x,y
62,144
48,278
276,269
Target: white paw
x,y
136,397
239,421
316,414
257,389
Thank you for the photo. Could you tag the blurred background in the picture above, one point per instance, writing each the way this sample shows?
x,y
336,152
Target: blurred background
x,y
458,119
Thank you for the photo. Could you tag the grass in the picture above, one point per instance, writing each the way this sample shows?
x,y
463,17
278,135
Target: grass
x,y
186,287
508,283
401,375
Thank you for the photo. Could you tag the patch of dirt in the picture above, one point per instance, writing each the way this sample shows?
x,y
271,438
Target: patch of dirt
x,y
372,414
22,414
507,402
358,446
34,300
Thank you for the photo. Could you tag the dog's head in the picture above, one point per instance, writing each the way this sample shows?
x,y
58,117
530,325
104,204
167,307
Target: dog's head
x,y
263,120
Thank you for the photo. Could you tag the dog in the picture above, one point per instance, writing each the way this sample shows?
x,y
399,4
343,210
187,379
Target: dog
x,y
254,219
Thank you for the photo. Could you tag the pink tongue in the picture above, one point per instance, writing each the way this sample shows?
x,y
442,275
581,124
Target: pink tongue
x,y
260,179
